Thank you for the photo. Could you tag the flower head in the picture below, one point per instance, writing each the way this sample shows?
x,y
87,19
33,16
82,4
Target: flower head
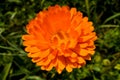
x,y
60,38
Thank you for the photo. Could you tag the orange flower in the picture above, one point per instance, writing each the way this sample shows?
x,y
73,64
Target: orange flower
x,y
60,37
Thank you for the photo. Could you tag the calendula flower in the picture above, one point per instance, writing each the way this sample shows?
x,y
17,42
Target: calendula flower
x,y
60,38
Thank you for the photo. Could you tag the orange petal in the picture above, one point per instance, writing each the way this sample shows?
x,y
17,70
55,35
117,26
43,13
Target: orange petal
x,y
67,53
45,53
58,70
36,59
73,11
68,68
53,54
72,59
61,62
32,49
29,42
83,52
73,55
88,57
91,52
49,67
76,19
83,45
41,54
27,37
85,19
55,62
44,62
81,60
43,67
86,38
75,65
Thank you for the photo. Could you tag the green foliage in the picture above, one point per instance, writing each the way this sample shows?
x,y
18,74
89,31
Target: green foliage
x,y
15,65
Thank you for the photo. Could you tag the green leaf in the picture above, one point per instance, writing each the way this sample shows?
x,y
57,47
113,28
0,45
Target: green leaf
x,y
2,30
5,71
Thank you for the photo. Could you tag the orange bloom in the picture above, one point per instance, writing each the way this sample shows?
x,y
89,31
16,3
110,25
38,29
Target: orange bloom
x,y
60,37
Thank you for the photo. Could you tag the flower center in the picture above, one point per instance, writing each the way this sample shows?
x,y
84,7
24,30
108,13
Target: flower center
x,y
60,40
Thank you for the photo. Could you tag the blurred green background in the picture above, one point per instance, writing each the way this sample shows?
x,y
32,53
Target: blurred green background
x,y
14,63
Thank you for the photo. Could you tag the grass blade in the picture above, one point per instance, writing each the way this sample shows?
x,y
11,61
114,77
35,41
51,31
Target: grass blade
x,y
112,17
